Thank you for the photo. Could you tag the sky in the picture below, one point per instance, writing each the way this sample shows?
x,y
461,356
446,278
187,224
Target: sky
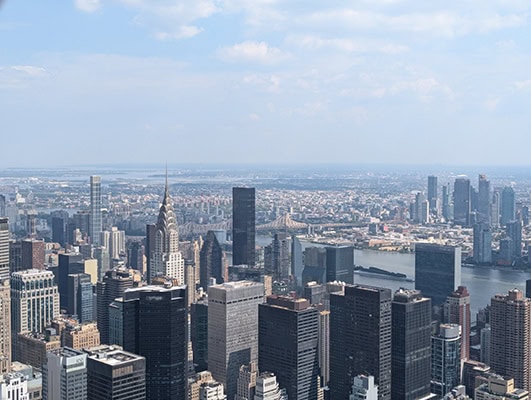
x,y
265,81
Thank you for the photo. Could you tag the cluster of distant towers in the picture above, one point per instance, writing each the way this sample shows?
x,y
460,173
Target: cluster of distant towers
x,y
482,209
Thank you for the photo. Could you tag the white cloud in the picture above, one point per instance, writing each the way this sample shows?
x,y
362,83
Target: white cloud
x,y
182,32
522,85
425,88
88,6
249,51
313,42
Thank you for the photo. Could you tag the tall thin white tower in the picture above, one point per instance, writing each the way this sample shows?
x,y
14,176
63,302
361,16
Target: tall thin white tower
x,y
95,224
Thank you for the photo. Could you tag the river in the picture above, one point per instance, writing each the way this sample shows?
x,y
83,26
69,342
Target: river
x,y
482,283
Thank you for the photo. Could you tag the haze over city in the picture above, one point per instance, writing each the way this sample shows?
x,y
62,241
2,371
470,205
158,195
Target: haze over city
x,y
387,81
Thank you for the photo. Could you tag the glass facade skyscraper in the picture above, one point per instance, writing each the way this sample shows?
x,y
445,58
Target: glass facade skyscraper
x,y
243,226
95,222
437,270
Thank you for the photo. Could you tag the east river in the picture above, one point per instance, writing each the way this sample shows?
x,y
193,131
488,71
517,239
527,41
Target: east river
x,y
482,282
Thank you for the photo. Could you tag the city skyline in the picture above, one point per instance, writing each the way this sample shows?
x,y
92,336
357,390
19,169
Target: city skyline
x,y
284,80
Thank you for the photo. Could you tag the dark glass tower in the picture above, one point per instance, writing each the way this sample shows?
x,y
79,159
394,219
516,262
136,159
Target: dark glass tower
x,y
154,325
293,355
79,297
211,261
411,345
112,286
199,334
360,339
340,264
243,226
462,199
68,264
437,270
484,199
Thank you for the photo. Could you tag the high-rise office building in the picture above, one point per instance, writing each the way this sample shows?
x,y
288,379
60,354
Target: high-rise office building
x,y
166,259
498,387
507,206
293,358
70,263
482,250
112,286
230,344
297,264
64,375
411,345
495,209
60,227
243,226
199,334
437,270
33,347
32,254
2,205
446,359
484,199
155,326
151,234
324,345
114,241
462,200
360,339
510,339
457,311
95,220
135,256
340,264
277,258
5,299
513,229
212,391
79,297
34,302
432,193
211,261
446,212
114,374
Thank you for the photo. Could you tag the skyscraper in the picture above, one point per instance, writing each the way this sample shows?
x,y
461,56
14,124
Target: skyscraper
x,y
277,259
79,297
446,202
34,302
64,375
513,229
211,261
340,264
297,265
293,357
243,226
114,374
267,388
230,344
484,199
445,359
510,337
155,326
360,339
112,286
432,193
5,299
508,205
437,270
166,259
411,345
482,250
495,209
462,199
95,221
32,254
71,263
457,311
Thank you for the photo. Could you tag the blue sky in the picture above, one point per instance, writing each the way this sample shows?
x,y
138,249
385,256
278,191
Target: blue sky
x,y
265,81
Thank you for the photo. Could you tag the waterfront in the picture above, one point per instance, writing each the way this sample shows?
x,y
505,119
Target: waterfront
x,y
482,283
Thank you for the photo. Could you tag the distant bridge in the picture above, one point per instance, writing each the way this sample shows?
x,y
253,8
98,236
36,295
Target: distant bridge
x,y
283,223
